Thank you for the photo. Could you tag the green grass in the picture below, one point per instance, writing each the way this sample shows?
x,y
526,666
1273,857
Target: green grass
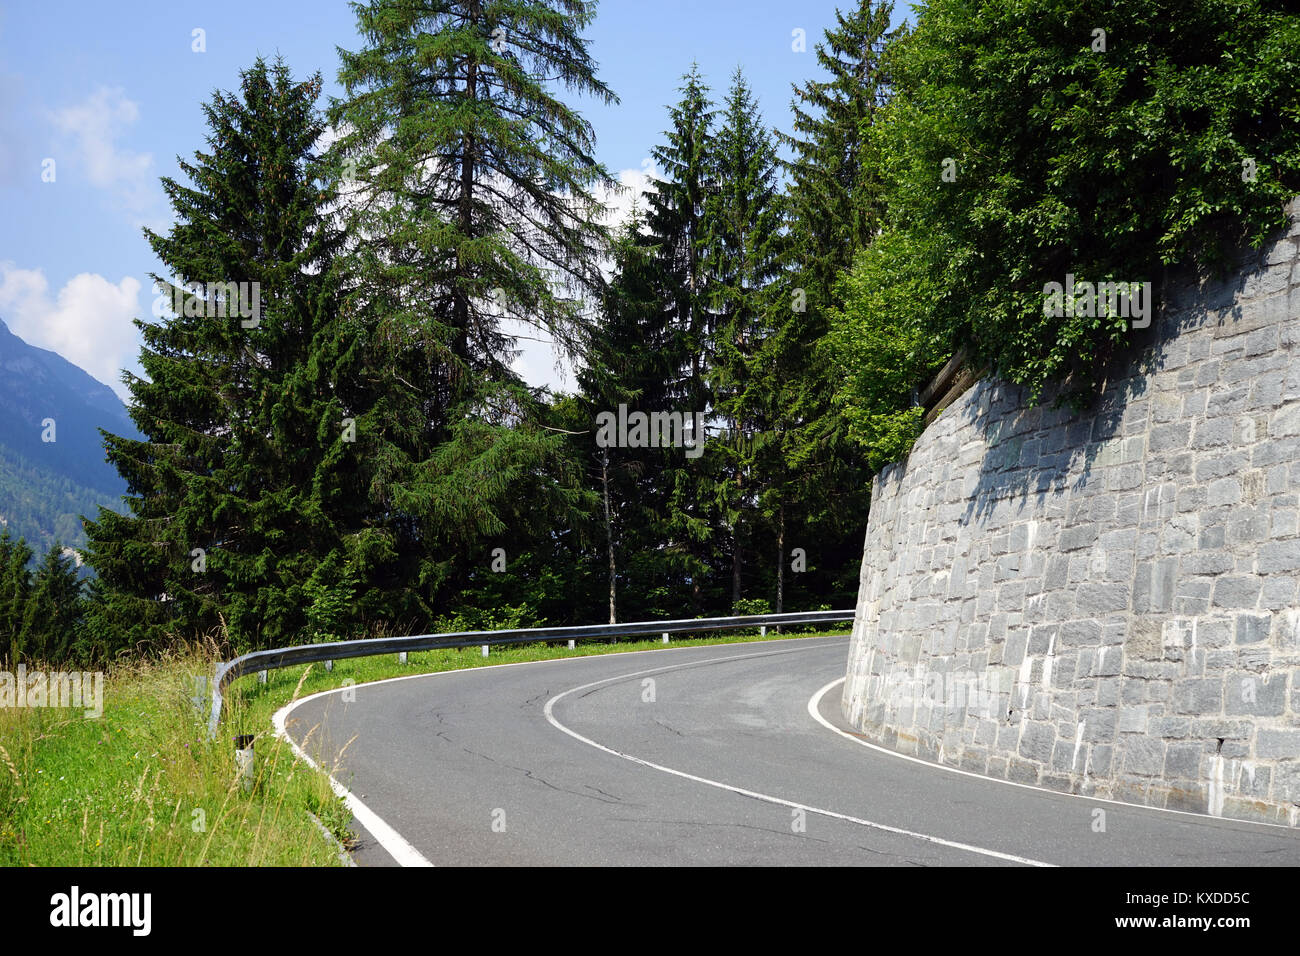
x,y
142,785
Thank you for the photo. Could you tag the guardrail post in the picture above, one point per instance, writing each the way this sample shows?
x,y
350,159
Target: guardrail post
x,y
214,715
244,761
200,698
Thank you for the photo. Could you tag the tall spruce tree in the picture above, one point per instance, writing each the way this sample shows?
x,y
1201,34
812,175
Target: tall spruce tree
x,y
52,616
685,178
835,194
15,592
232,490
633,358
833,207
742,236
470,199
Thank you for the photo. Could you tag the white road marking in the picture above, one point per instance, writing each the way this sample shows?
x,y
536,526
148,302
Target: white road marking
x,y
767,798
397,846
392,841
814,704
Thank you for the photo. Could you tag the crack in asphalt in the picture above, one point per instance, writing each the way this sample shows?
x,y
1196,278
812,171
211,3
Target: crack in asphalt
x,y
666,726
534,700
532,775
610,795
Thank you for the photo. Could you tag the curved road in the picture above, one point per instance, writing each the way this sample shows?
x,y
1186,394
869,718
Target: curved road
x,y
701,756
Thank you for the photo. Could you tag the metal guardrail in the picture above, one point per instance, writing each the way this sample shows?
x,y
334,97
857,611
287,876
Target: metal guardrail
x,y
274,658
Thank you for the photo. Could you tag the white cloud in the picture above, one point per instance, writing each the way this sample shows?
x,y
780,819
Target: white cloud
x,y
94,127
539,363
619,202
88,322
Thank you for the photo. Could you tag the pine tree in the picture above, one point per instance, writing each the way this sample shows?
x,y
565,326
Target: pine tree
x,y
632,358
15,592
240,491
685,178
742,236
51,618
835,196
470,197
833,206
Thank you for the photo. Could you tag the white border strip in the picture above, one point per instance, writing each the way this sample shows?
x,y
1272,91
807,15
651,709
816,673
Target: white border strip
x,y
386,836
550,716
814,704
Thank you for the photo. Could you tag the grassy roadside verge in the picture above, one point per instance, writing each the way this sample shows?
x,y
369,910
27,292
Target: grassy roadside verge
x,y
142,786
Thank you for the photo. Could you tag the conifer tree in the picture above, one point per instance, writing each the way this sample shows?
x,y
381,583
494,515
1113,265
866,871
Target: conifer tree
x,y
685,178
239,490
470,200
835,196
51,617
15,591
833,206
632,358
742,236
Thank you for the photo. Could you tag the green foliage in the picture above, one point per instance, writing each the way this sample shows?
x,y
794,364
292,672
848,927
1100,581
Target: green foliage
x,y
500,618
52,617
818,477
698,316
1069,159
742,240
40,611
751,606
330,593
239,489
15,591
879,344
834,201
452,448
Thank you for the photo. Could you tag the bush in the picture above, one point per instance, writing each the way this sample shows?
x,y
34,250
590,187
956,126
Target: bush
x,y
1173,138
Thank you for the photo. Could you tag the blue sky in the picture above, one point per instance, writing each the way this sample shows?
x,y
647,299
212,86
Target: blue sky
x,y
111,92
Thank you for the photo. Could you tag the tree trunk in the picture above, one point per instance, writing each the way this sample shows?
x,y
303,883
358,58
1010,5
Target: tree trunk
x,y
780,559
609,539
735,544
465,216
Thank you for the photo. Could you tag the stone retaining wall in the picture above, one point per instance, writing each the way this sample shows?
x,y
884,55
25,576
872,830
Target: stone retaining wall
x,y
1106,603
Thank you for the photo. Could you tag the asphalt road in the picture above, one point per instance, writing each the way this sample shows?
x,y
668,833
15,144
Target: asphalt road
x,y
718,761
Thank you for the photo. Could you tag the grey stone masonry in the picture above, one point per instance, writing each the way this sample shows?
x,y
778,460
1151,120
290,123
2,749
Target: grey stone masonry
x,y
1106,602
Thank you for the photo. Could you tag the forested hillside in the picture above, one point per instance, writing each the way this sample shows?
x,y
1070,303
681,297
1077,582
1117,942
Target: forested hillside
x,y
53,468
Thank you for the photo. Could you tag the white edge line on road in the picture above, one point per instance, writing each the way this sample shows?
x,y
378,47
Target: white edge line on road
x,y
392,841
550,716
814,705
386,836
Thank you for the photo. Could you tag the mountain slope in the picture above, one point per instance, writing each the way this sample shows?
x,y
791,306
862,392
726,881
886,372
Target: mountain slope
x,y
46,485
